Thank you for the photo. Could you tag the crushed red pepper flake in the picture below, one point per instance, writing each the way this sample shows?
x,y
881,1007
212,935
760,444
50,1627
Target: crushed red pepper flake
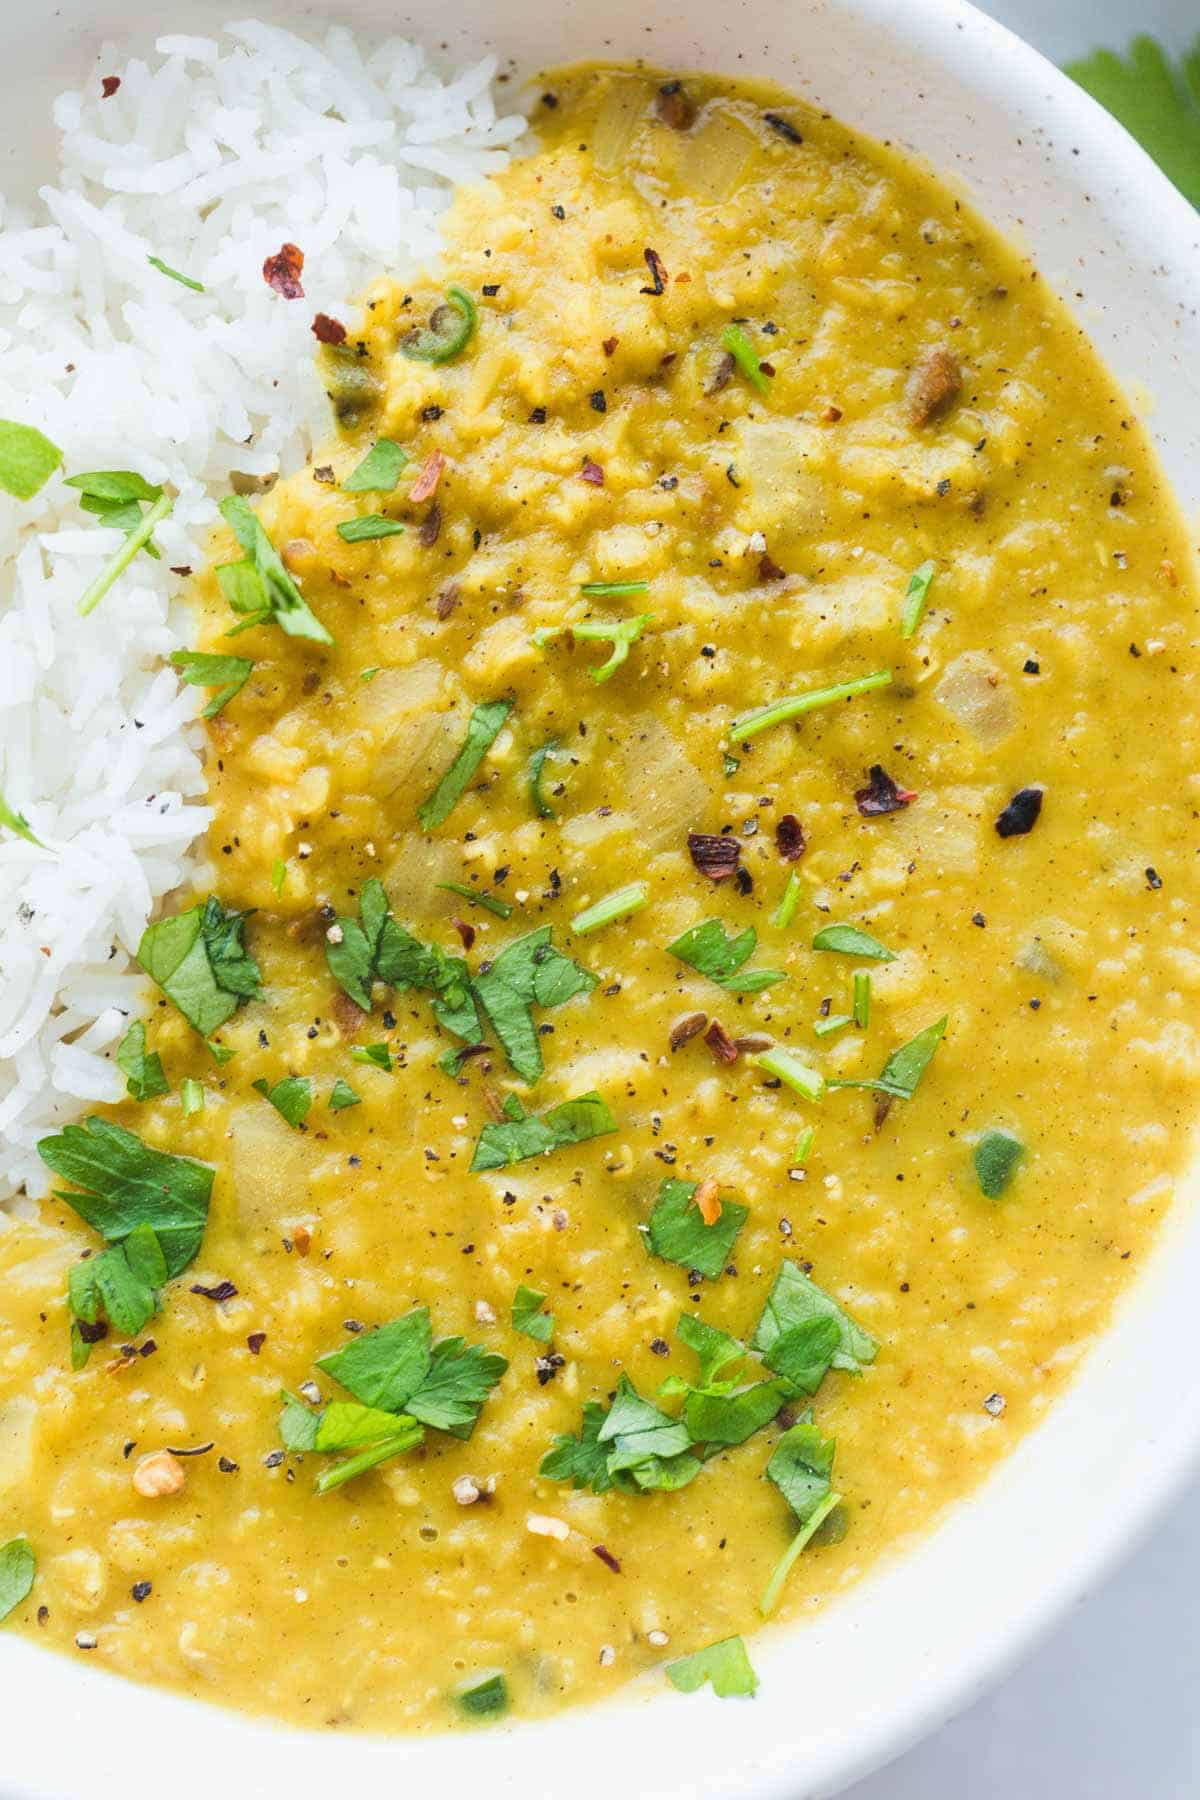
x,y
658,272
109,85
327,330
466,932
607,1558
790,840
591,471
224,1290
720,1043
255,1342
881,794
430,527
428,476
769,569
690,1026
609,345
282,271
708,1200
674,106
712,854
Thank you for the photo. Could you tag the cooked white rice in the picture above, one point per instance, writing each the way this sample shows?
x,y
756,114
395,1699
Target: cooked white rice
x,y
210,156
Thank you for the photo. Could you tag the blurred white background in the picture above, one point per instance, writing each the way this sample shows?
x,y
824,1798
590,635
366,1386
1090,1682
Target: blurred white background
x,y
1109,1707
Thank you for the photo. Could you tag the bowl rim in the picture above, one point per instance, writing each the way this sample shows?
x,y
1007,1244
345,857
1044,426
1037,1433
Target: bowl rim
x,y
984,55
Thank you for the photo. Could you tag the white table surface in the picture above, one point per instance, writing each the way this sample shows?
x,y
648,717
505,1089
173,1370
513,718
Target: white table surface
x,y
1108,1708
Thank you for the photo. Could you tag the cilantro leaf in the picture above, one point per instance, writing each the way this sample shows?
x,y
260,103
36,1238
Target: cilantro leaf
x,y
520,1135
228,674
619,634
801,1467
27,459
485,1698
374,1436
725,1419
368,526
379,470
16,821
527,1315
804,1353
259,586
483,728
677,1232
630,1445
342,1095
385,1367
123,1183
346,1425
142,1069
901,1073
156,262
725,1664
1155,99
298,1423
120,1285
528,972
716,1350
995,1157
710,950
581,1460
377,1055
18,1566
116,497
793,1302
374,947
291,1097
537,772
478,897
638,1431
199,960
458,1381
848,940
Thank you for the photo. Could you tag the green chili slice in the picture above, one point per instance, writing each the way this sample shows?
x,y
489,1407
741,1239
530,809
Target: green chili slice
x,y
450,329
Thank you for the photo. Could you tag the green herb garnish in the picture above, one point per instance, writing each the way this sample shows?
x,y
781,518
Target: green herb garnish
x,y
804,1144
18,1566
125,515
676,1230
915,596
199,960
486,1698
710,950
229,674
476,897
191,1096
537,765
528,972
291,1097
27,459
802,1469
520,1135
618,905
792,1332
156,262
1156,99
379,470
620,633
374,947
742,350
785,912
612,590
848,940
725,1665
483,728
748,725
143,1070
904,1068
377,1055
716,1411
451,327
861,989
995,1158
259,587
786,1066
833,1022
398,1367
527,1315
16,821
342,1095
369,525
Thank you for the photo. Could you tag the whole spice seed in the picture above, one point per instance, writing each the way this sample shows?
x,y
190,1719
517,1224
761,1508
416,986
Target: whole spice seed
x,y
783,127
789,838
430,527
687,1028
713,855
158,1475
881,795
722,374
607,1558
658,273
1021,814
282,271
327,330
932,386
674,107
720,1043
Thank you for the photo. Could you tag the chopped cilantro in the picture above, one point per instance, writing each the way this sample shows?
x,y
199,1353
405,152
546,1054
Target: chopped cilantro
x,y
367,526
476,897
804,1144
725,1665
599,590
778,712
374,947
483,728
156,262
861,988
644,1441
377,1055
379,470
791,1307
528,1317
833,1022
995,1158
27,459
915,596
902,1072
16,821
199,960
291,1097
789,901
484,1698
710,950
520,1135
18,1566
143,1071
786,1066
125,515
342,1095
191,1096
121,1283
620,904
677,1233
259,586
1156,99
741,348
398,1367
537,767
582,1460
528,972
619,633
228,674
848,940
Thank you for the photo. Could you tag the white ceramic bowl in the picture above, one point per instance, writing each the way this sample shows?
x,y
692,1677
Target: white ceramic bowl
x,y
922,1635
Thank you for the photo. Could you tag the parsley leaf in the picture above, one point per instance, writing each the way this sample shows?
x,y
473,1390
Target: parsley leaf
x,y
528,972
397,1366
901,1073
458,1381
677,1232
259,587
143,1070
483,728
342,1095
1157,101
228,674
16,821
199,959
725,1664
123,1183
379,470
527,1315
710,950
521,1135
378,1055
27,459
18,1566
291,1097
793,1303
848,940
581,1460
801,1467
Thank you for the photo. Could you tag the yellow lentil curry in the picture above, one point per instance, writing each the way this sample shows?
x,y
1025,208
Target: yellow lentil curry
x,y
699,969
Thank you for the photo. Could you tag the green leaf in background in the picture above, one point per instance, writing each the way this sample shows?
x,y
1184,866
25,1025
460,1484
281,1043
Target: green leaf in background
x,y
18,1566
1156,98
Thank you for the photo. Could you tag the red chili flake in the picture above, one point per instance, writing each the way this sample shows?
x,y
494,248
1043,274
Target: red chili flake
x,y
224,1290
327,330
430,526
881,795
607,1558
769,570
686,1028
609,345
658,272
282,271
591,471
720,1043
428,476
753,1043
466,932
1021,813
109,85
674,106
789,838
255,1342
713,855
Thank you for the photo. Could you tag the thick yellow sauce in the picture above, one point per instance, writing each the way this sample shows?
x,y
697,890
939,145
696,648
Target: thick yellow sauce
x,y
1055,651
